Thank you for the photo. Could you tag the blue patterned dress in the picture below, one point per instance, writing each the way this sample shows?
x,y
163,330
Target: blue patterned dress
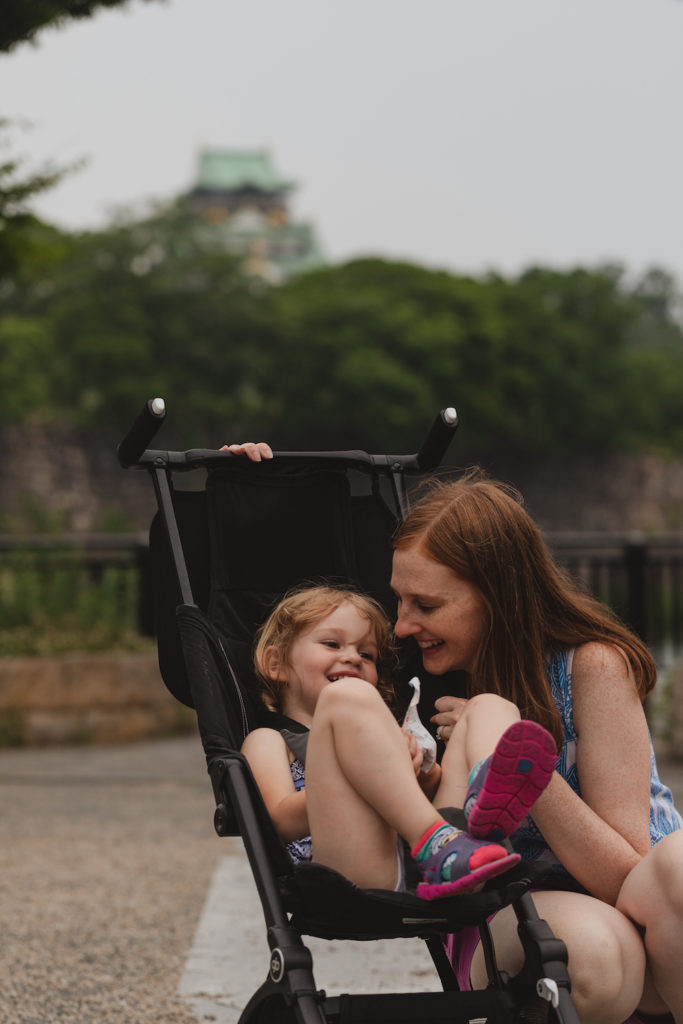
x,y
527,840
299,849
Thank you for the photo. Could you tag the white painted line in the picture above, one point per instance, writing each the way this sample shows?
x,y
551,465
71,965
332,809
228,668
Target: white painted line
x,y
229,958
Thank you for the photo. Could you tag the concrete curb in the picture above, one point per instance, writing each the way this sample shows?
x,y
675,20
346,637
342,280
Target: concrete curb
x,y
229,956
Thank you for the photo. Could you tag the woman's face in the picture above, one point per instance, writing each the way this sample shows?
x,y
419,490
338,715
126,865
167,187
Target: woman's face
x,y
445,613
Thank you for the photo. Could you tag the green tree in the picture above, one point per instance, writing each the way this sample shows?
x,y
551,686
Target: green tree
x,y
143,308
370,343
21,235
23,19
537,363
23,239
361,354
563,360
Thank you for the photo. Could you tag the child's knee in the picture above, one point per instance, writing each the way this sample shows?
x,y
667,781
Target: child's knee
x,y
491,704
348,693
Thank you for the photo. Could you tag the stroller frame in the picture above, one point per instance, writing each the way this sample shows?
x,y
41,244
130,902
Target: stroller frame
x,y
291,896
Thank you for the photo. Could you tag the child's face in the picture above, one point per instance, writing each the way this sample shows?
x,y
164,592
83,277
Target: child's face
x,y
342,644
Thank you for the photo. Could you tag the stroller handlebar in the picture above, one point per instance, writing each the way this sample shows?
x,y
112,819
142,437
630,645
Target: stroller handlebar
x,y
436,443
144,429
133,449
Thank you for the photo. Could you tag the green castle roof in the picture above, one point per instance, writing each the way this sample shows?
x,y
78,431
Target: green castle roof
x,y
226,170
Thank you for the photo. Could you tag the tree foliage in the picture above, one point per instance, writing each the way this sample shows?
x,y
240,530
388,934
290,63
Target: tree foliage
x,y
23,239
23,19
361,354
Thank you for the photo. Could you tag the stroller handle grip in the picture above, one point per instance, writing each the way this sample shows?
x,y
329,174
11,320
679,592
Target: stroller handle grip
x,y
436,443
134,450
143,430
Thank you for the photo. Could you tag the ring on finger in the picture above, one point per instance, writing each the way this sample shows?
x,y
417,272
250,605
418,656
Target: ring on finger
x,y
439,733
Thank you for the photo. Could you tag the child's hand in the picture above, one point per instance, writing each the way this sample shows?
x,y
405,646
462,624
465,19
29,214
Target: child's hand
x,y
415,751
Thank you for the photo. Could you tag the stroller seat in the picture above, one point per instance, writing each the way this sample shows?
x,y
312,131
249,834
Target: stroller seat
x,y
221,558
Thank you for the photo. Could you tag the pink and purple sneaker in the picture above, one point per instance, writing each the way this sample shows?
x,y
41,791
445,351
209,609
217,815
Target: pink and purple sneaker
x,y
504,787
452,863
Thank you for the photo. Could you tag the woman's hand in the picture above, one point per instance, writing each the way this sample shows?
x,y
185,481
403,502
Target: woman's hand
x,y
254,450
448,711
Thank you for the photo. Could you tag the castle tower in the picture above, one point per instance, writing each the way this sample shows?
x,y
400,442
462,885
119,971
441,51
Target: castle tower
x,y
241,203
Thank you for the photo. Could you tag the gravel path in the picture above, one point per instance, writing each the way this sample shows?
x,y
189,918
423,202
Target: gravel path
x,y
106,858
107,855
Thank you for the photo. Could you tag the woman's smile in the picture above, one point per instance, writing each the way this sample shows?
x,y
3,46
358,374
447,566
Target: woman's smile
x,y
443,612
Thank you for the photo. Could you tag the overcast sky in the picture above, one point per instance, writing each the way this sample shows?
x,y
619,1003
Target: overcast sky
x,y
467,134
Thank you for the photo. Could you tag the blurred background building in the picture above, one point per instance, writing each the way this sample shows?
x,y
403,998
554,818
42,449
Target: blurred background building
x,y
242,203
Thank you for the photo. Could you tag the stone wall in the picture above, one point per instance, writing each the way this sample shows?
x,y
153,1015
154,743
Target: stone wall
x,y
73,480
86,698
68,481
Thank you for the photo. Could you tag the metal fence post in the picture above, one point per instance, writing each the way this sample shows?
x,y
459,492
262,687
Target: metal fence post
x,y
635,558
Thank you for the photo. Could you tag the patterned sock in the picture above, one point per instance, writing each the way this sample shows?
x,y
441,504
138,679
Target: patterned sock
x,y
476,767
431,842
445,854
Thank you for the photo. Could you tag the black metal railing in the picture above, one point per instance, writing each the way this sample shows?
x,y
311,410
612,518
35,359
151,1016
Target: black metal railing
x,y
50,569
639,576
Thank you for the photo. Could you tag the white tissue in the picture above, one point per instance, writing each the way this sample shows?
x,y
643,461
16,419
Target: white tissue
x,y
413,725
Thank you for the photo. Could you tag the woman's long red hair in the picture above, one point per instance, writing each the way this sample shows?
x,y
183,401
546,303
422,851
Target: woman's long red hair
x,y
478,528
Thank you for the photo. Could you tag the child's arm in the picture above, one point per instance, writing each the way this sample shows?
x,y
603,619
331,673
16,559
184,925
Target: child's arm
x,y
268,758
429,781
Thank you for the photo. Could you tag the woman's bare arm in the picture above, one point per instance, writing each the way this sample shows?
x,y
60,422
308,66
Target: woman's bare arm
x,y
601,836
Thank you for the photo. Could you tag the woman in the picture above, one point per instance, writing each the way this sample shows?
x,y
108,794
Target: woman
x,y
478,590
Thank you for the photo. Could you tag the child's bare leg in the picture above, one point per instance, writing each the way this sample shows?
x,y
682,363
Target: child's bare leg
x,y
481,724
361,789
652,896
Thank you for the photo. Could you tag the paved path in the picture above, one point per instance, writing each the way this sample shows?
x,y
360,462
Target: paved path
x,y
119,905
106,858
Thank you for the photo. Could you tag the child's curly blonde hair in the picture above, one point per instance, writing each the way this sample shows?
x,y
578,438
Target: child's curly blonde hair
x,y
305,607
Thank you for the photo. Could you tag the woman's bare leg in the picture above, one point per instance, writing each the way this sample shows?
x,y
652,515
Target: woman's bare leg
x,y
652,896
361,789
606,954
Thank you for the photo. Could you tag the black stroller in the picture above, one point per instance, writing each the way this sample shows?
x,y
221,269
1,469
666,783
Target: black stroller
x,y
221,557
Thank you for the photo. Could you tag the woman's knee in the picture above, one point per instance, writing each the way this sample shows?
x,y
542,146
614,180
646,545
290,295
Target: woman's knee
x,y
667,858
607,969
653,891
606,955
